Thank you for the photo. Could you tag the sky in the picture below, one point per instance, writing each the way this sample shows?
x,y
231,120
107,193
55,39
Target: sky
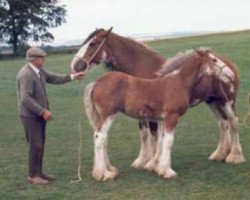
x,y
150,17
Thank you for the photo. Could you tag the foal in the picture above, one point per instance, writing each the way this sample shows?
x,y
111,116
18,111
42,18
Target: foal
x,y
163,99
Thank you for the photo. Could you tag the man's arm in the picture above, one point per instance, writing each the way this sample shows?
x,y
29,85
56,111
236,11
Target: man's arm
x,y
55,78
61,78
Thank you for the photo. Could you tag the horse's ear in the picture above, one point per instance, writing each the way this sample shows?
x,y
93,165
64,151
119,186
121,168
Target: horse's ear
x,y
202,53
109,31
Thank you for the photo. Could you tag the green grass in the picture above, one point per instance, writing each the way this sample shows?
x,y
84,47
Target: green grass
x,y
197,136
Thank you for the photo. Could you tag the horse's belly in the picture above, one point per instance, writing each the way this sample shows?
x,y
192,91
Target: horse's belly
x,y
144,112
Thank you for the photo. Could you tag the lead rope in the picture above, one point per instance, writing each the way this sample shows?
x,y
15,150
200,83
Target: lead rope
x,y
246,119
79,163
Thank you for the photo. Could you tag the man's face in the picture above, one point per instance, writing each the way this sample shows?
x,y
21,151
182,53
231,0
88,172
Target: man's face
x,y
39,61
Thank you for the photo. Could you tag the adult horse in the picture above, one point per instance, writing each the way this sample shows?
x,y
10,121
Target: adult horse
x,y
164,99
126,55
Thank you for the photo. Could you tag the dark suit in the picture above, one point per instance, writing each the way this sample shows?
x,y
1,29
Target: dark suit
x,y
32,100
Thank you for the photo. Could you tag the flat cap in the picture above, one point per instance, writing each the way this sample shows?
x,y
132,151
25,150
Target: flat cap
x,y
35,52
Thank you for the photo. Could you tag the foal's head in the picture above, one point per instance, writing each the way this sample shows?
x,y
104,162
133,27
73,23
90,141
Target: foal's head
x,y
200,61
92,51
202,68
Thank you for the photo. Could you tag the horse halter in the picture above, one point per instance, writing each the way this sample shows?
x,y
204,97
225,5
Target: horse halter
x,y
96,51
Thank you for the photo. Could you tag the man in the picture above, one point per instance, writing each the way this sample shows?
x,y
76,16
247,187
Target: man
x,y
34,111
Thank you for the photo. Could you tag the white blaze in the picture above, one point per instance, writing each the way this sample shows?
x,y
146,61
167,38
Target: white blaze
x,y
80,53
225,73
83,49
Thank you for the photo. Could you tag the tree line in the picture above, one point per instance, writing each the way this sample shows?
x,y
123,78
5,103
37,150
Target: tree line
x,y
23,20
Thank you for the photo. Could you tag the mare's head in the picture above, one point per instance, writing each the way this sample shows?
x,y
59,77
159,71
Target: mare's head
x,y
117,53
92,51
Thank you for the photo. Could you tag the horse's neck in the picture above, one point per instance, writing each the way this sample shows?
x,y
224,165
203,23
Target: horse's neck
x,y
189,76
133,59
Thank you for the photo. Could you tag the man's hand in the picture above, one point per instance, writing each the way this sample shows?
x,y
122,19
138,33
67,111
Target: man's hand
x,y
78,75
47,115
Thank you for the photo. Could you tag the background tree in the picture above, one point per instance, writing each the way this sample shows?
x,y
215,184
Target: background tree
x,y
21,20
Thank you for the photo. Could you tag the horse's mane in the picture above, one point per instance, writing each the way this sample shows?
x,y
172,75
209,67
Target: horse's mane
x,y
175,62
133,44
91,35
129,42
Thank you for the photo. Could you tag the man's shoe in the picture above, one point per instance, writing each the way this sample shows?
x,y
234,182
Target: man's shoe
x,y
36,180
48,177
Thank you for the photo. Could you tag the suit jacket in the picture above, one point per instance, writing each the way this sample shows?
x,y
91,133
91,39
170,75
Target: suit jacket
x,y
31,90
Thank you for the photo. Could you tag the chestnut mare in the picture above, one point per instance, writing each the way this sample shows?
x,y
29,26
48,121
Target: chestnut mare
x,y
128,56
125,55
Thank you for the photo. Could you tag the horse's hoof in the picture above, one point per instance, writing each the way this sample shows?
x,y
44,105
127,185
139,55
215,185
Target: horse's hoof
x,y
138,163
160,170
114,170
104,175
215,156
166,173
97,174
109,176
170,174
149,165
235,158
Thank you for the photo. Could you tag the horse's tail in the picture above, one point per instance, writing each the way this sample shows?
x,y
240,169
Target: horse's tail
x,y
90,108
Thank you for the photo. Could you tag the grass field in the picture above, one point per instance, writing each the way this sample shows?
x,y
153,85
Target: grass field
x,y
197,137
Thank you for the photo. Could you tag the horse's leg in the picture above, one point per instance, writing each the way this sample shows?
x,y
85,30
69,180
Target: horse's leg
x,y
224,145
151,164
111,168
235,156
146,148
102,170
163,168
153,126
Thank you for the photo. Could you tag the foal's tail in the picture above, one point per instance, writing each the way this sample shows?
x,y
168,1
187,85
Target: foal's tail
x,y
90,108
